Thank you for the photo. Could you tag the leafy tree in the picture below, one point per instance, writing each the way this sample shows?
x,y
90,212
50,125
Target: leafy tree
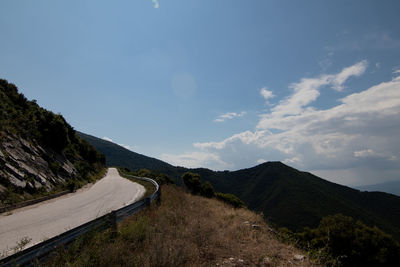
x,y
192,182
207,190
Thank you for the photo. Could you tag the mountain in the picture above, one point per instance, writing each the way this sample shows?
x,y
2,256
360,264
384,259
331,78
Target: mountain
x,y
119,156
286,196
39,151
388,187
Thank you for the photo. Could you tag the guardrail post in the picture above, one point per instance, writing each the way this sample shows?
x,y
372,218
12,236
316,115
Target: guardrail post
x,y
148,201
113,224
159,197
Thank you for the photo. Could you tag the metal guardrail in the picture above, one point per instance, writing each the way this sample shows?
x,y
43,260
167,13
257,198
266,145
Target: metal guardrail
x,y
32,201
110,220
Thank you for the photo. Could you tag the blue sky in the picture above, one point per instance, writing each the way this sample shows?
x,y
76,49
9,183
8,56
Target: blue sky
x,y
219,84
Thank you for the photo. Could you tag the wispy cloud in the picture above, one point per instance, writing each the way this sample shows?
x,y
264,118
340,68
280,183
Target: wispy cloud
x,y
107,139
266,94
365,153
156,3
195,160
229,116
355,70
305,92
110,140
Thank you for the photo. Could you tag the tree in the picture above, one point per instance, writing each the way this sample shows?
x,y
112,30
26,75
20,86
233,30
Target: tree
x,y
207,190
192,182
231,200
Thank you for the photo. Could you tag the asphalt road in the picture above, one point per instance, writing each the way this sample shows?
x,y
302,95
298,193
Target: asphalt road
x,y
50,218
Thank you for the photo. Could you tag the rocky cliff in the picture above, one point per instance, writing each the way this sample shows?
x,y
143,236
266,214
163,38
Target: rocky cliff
x,y
39,151
29,166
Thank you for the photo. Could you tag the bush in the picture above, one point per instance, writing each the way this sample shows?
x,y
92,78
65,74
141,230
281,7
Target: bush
x,y
231,200
207,190
192,182
351,243
73,185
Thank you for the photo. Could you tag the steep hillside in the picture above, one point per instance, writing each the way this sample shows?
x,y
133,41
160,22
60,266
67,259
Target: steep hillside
x,y
121,157
296,199
39,151
286,196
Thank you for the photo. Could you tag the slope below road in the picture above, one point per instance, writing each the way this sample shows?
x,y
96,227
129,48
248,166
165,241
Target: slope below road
x,y
50,218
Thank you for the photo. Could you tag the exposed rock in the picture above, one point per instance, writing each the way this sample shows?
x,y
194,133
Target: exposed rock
x,y
299,257
15,181
267,261
69,168
22,161
11,169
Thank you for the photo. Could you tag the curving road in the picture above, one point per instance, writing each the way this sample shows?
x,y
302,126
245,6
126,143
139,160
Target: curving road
x,y
53,217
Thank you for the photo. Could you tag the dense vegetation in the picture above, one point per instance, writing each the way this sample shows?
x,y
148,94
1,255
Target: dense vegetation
x,y
26,119
287,197
160,178
192,182
341,241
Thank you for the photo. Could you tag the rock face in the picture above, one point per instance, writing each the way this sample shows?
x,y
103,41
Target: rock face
x,y
26,165
39,150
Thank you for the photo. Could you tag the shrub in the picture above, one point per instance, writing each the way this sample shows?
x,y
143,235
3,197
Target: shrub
x,y
231,200
207,190
351,243
192,182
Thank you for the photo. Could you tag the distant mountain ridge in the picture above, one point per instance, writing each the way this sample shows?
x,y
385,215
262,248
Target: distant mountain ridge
x,y
392,187
286,196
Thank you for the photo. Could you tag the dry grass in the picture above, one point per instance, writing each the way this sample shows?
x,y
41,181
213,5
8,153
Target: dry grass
x,y
185,230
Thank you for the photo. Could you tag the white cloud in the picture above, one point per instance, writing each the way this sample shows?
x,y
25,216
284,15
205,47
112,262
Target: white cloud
x,y
110,140
195,160
365,153
107,139
327,61
305,92
355,70
328,140
229,116
125,146
156,3
267,94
